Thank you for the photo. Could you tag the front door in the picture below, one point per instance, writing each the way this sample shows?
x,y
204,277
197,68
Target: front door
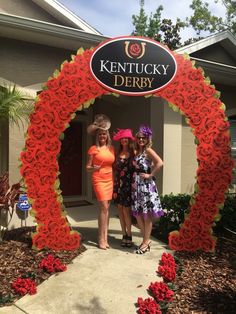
x,y
70,161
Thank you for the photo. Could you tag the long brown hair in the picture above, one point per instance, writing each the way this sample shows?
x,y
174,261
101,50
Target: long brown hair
x,y
130,150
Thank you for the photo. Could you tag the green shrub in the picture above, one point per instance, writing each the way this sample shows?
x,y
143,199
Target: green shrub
x,y
228,213
175,208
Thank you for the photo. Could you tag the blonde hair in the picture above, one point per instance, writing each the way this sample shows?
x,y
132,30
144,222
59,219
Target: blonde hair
x,y
98,131
147,145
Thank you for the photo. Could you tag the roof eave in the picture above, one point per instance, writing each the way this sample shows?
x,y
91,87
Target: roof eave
x,y
35,31
208,41
64,15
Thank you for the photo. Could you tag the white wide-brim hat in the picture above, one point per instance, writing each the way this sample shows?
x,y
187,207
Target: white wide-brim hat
x,y
101,121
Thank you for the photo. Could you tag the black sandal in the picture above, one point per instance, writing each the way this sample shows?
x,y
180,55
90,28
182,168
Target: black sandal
x,y
123,241
142,250
129,242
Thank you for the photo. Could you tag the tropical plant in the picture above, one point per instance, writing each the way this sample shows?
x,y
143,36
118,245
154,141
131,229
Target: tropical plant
x,y
8,197
14,105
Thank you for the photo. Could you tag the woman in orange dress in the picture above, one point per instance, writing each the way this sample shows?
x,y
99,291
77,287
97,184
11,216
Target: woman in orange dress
x,y
100,159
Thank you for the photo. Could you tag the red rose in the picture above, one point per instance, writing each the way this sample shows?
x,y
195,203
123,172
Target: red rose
x,y
221,139
134,50
45,96
31,143
35,117
28,156
53,146
195,75
69,68
208,243
53,84
204,152
209,91
36,132
39,242
195,120
64,114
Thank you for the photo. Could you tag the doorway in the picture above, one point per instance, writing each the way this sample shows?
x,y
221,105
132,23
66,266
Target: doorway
x,y
70,160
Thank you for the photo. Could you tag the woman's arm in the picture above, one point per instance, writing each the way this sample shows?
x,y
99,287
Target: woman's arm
x,y
157,162
89,165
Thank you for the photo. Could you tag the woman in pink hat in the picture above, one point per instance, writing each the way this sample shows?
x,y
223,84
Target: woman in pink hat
x,y
100,159
122,184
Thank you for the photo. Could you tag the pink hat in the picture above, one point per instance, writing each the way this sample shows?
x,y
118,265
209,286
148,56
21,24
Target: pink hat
x,y
123,133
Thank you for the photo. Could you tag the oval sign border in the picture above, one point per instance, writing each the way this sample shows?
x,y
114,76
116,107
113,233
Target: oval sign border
x,y
139,39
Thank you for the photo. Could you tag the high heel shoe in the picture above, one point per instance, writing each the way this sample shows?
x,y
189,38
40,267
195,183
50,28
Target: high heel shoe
x,y
123,241
129,242
142,249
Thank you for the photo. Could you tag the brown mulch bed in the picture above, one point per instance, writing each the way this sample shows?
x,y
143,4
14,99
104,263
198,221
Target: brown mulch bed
x,y
206,285
17,259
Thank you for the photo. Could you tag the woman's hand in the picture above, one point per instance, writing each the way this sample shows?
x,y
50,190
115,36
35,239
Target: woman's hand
x,y
93,168
145,175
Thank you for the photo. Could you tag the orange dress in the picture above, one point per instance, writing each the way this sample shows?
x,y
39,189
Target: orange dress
x,y
103,177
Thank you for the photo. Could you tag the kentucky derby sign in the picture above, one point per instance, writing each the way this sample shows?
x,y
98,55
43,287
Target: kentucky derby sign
x,y
75,88
133,66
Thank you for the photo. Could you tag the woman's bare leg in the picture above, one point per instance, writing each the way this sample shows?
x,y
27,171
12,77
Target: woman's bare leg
x,y
140,222
127,220
103,220
122,219
147,231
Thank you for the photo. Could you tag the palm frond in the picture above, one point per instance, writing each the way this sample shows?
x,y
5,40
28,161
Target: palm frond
x,y
14,105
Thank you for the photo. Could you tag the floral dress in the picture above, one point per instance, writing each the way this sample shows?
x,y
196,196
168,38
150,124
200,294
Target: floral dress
x,y
145,198
122,183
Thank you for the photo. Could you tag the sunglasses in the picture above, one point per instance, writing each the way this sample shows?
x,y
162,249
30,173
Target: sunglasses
x,y
141,138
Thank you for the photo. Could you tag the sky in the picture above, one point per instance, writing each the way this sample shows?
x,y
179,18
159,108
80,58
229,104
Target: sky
x,y
114,17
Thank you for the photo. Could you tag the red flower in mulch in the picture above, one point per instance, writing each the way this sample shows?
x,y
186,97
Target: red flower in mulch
x,y
167,268
148,306
52,264
23,286
161,292
168,273
167,259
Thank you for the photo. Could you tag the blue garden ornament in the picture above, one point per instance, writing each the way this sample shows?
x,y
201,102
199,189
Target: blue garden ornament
x,y
23,203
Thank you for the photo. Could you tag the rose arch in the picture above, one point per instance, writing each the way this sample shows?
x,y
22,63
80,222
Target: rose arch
x,y
72,89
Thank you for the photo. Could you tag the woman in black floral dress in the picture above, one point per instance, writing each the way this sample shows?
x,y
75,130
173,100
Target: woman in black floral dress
x,y
122,182
146,203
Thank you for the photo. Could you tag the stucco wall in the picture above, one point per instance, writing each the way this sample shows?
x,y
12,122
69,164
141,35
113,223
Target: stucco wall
x,y
172,151
188,161
27,63
157,124
16,145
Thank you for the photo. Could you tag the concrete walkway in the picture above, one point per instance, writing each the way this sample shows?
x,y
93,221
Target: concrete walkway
x,y
97,281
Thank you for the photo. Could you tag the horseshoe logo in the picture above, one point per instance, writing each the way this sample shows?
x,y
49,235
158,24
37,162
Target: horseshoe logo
x,y
134,50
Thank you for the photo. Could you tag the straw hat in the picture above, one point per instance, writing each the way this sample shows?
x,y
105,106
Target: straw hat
x,y
101,121
123,133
